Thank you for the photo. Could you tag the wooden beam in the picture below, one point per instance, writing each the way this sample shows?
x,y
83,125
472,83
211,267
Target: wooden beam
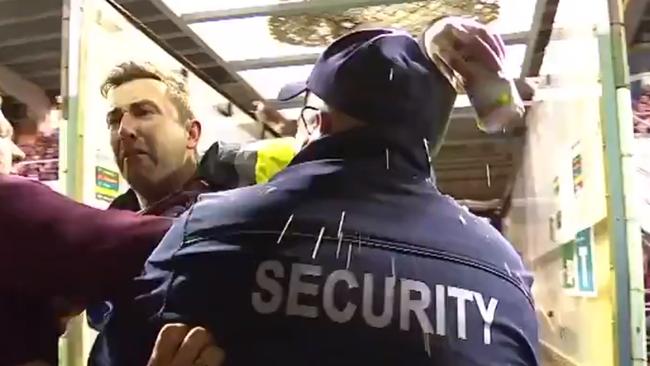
x,y
310,58
244,95
634,14
284,9
540,35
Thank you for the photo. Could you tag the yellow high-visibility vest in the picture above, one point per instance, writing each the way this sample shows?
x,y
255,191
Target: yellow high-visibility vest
x,y
273,156
260,161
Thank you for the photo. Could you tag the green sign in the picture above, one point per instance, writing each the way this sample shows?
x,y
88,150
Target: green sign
x,y
569,265
107,184
585,262
578,264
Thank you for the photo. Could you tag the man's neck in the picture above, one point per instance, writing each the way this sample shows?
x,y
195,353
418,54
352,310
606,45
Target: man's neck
x,y
173,183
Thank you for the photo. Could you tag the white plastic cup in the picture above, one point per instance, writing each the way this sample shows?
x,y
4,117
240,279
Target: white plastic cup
x,y
493,95
496,101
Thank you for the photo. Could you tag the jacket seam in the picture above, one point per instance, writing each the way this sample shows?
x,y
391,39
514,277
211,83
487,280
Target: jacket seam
x,y
172,275
383,244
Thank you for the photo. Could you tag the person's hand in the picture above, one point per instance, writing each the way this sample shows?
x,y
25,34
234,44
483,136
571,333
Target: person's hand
x,y
180,345
466,46
65,310
9,152
268,115
472,58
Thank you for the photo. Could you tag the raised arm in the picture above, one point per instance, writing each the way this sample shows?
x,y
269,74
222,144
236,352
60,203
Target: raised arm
x,y
473,60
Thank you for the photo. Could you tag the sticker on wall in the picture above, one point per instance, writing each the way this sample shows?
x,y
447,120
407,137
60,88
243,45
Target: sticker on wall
x,y
551,228
556,186
586,285
569,266
107,184
558,220
578,178
578,266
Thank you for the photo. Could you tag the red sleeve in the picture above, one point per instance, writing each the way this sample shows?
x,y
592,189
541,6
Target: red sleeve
x,y
51,245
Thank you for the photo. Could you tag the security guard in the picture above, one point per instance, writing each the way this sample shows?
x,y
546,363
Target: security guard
x,y
350,255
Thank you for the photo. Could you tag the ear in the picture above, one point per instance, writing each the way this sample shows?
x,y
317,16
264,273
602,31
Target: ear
x,y
193,134
324,123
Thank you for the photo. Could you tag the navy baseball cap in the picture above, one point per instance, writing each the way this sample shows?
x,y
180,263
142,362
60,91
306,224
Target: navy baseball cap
x,y
383,78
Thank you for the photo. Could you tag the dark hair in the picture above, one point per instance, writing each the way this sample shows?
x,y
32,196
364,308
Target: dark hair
x,y
129,71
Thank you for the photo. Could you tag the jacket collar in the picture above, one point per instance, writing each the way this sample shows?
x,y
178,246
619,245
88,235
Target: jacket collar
x,y
126,201
187,194
213,174
366,143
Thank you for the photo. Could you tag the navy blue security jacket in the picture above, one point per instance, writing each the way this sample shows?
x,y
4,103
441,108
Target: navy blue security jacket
x,y
350,256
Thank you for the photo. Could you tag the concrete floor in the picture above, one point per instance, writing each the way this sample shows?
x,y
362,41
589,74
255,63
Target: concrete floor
x,y
548,359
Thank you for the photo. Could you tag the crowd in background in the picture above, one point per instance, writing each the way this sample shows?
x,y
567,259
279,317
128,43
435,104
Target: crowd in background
x,y
41,157
641,111
39,143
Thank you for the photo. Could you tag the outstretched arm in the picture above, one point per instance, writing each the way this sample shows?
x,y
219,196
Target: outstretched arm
x,y
51,245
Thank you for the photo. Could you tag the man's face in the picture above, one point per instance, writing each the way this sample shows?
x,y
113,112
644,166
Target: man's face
x,y
9,152
148,140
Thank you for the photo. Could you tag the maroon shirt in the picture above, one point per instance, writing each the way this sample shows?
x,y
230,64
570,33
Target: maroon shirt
x,y
52,246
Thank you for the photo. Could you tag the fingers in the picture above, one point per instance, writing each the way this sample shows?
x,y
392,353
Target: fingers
x,y
168,342
493,41
448,44
457,63
477,45
264,113
479,51
178,345
68,306
194,343
259,106
212,356
500,45
465,44
5,156
65,310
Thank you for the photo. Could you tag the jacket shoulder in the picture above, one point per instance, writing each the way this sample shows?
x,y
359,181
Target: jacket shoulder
x,y
217,166
231,165
246,206
126,201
